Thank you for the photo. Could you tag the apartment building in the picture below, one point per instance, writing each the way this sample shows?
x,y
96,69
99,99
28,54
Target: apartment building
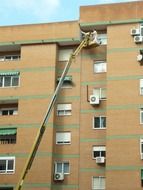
x,y
94,137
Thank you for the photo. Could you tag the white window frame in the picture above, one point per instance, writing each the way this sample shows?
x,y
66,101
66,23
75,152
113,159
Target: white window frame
x,y
100,122
98,149
63,137
141,115
62,162
5,57
141,86
99,94
141,146
7,171
15,111
100,67
64,109
102,38
11,81
93,183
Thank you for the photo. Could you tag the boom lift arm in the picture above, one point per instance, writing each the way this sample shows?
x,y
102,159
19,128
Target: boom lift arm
x,y
87,41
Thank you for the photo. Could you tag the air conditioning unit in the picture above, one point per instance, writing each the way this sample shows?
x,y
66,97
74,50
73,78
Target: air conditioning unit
x,y
59,176
94,100
140,57
135,31
100,160
138,39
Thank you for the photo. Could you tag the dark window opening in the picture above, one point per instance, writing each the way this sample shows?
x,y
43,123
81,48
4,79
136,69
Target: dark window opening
x,y
8,107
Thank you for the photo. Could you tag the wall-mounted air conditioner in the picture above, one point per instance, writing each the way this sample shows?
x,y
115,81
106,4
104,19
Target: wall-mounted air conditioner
x,y
100,160
138,39
135,31
94,100
59,176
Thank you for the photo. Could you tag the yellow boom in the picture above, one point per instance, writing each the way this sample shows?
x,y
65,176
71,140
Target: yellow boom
x,y
87,41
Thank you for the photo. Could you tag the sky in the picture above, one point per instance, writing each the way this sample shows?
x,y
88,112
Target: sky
x,y
17,12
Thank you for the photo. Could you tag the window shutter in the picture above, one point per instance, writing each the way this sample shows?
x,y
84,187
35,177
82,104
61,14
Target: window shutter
x,y
63,137
96,183
67,106
100,66
64,54
64,107
99,148
102,182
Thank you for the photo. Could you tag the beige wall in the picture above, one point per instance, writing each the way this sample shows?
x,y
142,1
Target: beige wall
x,y
39,31
39,68
36,68
123,117
111,12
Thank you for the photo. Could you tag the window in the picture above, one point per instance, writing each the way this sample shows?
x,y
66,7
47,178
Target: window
x,y
8,136
63,137
100,93
141,86
64,54
141,29
62,167
100,67
9,57
8,111
8,108
99,151
67,83
142,177
7,165
103,38
98,183
141,116
64,109
99,122
141,148
9,79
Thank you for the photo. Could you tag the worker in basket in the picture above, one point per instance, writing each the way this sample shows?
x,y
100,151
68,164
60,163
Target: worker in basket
x,y
93,38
